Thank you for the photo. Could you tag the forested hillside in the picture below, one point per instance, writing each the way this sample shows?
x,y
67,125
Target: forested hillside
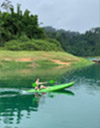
x,y
87,44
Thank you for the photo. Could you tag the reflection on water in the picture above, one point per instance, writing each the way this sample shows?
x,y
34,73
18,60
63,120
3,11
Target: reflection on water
x,y
13,104
11,108
77,108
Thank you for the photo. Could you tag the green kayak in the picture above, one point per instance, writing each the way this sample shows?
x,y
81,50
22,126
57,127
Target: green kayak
x,y
53,88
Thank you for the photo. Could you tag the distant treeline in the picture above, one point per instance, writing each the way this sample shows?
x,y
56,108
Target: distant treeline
x,y
87,44
21,31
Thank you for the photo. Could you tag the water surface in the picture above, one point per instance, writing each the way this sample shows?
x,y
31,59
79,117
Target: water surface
x,y
77,108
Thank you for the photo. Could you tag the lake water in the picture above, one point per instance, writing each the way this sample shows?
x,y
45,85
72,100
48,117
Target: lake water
x,y
77,108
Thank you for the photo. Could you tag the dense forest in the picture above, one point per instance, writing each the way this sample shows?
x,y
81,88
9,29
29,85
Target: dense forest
x,y
87,44
21,31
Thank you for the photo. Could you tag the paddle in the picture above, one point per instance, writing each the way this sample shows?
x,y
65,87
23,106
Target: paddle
x,y
34,84
51,82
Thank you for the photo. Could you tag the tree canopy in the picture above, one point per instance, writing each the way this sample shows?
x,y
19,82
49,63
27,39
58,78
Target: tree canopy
x,y
87,44
14,24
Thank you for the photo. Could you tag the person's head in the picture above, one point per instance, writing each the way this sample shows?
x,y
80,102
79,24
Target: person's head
x,y
37,79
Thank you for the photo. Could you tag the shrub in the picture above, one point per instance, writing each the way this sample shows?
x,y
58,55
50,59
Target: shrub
x,y
40,45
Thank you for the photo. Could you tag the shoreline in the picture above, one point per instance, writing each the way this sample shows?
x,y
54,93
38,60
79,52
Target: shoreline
x,y
28,64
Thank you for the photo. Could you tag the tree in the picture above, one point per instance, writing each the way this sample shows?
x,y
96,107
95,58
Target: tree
x,y
87,44
6,5
15,24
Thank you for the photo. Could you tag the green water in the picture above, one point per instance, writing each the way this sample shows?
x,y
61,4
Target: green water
x,y
77,108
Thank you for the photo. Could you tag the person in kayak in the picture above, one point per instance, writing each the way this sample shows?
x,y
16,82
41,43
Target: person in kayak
x,y
39,85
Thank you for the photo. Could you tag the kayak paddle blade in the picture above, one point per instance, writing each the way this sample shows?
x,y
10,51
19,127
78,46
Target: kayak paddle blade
x,y
51,81
34,84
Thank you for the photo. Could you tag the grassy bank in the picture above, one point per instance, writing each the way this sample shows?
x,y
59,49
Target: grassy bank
x,y
25,63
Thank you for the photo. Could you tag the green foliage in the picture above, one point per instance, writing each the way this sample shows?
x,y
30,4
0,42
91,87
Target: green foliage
x,y
87,44
15,24
39,45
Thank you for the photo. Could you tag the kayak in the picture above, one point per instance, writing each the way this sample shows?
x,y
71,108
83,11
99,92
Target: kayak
x,y
53,88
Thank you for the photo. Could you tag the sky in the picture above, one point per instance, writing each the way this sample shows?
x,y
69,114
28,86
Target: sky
x,y
73,15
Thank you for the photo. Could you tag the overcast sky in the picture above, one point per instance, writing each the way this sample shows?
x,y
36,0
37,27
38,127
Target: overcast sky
x,y
73,15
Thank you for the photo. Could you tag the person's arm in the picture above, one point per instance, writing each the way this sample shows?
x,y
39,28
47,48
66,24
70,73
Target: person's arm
x,y
43,82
